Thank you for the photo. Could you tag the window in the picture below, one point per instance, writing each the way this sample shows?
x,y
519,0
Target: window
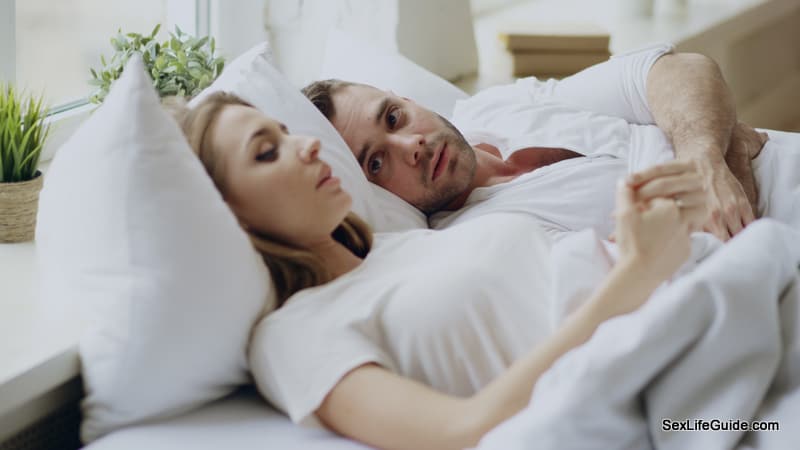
x,y
47,47
68,37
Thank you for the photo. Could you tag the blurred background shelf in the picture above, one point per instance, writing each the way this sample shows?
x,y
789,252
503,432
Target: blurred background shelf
x,y
755,42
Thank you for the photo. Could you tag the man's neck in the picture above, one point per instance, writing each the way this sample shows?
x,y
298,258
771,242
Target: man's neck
x,y
490,169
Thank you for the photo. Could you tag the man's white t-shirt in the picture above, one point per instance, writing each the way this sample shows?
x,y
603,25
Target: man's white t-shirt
x,y
613,130
451,309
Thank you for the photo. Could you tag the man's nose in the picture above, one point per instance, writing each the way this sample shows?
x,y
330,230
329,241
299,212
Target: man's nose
x,y
411,147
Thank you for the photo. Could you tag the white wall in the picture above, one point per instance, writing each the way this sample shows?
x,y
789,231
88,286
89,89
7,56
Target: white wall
x,y
240,27
7,41
437,34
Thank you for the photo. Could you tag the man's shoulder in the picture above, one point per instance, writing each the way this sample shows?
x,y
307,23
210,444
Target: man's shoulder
x,y
525,90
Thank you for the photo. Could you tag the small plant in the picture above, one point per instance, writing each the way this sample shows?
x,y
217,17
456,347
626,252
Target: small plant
x,y
23,131
181,65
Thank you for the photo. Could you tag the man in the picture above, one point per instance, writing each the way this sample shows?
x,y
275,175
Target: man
x,y
512,133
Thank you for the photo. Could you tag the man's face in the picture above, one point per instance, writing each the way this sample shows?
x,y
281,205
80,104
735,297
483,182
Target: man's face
x,y
403,147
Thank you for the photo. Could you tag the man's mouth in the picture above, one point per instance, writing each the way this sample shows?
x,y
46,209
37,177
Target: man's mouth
x,y
441,163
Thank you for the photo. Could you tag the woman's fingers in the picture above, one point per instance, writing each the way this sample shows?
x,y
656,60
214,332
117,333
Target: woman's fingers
x,y
694,216
691,199
626,197
690,212
674,167
671,186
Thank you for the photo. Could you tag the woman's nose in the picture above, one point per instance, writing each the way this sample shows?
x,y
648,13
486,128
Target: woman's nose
x,y
309,148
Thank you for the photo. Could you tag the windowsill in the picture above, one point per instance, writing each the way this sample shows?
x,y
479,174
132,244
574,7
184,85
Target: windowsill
x,y
38,341
62,126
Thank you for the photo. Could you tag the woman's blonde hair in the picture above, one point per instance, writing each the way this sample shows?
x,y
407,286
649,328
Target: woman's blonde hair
x,y
292,268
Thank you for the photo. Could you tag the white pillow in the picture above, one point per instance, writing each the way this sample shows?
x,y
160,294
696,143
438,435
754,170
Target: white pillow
x,y
133,231
350,59
252,77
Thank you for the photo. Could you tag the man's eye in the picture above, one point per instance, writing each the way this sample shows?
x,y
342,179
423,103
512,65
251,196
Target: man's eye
x,y
392,118
374,164
268,155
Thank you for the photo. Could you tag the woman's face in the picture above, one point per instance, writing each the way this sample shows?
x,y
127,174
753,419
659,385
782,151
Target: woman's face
x,y
275,182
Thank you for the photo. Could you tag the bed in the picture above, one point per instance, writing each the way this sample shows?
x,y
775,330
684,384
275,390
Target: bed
x,y
241,421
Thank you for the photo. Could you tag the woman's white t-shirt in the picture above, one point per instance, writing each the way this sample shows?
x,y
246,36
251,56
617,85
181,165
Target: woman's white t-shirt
x,y
451,309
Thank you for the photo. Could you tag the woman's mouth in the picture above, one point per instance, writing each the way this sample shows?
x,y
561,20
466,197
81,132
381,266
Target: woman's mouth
x,y
325,176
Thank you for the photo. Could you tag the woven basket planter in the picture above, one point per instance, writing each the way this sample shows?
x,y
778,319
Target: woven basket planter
x,y
19,203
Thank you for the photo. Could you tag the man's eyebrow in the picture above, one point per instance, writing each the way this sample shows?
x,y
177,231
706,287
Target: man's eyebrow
x,y
381,109
382,106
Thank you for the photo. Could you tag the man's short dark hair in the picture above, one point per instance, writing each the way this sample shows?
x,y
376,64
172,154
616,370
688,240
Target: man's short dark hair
x,y
321,94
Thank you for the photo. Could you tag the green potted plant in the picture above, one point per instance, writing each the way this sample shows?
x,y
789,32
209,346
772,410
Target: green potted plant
x,y
23,131
182,65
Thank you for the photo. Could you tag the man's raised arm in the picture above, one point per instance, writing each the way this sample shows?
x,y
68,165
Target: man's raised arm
x,y
692,104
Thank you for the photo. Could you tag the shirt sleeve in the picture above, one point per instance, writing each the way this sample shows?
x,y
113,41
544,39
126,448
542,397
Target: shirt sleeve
x,y
617,87
296,363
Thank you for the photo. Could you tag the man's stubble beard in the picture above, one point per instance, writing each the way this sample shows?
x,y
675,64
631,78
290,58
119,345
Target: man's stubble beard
x,y
438,199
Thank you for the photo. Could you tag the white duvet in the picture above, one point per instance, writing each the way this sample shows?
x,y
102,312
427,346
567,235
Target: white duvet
x,y
718,343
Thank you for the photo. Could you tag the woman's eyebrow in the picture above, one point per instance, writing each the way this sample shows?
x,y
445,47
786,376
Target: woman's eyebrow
x,y
256,134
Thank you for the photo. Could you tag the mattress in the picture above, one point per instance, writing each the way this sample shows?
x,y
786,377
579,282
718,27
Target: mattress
x,y
242,421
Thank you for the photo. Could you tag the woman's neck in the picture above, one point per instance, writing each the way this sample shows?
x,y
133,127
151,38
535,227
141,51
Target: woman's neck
x,y
337,258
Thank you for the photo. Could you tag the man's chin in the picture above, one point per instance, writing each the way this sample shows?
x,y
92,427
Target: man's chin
x,y
450,200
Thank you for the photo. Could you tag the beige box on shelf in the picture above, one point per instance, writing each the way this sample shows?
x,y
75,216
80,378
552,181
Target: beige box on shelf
x,y
555,49
539,63
561,37
552,42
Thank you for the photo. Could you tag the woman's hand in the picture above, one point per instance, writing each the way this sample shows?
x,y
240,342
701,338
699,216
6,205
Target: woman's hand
x,y
656,210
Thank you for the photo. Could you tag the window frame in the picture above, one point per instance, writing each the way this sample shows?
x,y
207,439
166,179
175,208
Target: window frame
x,y
193,16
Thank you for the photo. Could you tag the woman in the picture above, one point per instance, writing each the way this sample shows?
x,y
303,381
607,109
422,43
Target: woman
x,y
267,170
299,219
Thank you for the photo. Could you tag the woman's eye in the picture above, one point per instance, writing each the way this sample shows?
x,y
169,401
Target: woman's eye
x,y
392,119
270,154
374,165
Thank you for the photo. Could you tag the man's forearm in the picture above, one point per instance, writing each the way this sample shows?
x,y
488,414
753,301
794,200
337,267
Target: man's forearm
x,y
692,104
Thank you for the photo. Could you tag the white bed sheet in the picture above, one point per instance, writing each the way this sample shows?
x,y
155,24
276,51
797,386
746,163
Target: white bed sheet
x,y
241,421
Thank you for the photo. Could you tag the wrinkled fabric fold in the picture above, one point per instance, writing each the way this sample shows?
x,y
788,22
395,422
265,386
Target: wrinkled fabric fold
x,y
707,346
